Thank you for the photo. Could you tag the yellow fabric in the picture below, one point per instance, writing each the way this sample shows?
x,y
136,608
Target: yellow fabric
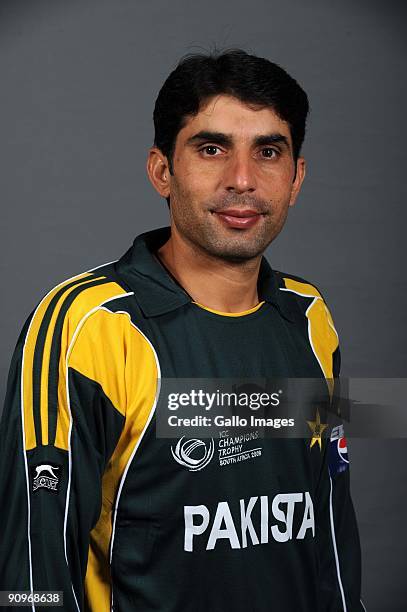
x,y
88,299
304,288
64,340
321,330
108,349
28,359
230,314
138,366
99,352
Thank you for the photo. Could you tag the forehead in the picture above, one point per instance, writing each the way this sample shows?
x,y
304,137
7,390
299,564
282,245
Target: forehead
x,y
229,115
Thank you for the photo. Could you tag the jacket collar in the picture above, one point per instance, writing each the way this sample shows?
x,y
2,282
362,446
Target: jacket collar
x,y
156,291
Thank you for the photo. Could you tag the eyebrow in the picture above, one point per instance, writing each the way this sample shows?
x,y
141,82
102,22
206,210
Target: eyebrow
x,y
227,140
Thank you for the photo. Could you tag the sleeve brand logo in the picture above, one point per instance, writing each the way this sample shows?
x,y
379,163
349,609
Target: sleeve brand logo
x,y
46,476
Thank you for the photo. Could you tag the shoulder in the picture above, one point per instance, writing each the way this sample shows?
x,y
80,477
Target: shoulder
x,y
85,321
65,306
307,296
44,345
307,299
298,288
297,285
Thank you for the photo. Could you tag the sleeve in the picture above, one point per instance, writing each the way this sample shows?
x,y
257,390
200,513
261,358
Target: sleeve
x,y
338,544
59,428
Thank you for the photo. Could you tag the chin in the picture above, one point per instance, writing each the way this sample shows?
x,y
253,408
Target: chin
x,y
237,253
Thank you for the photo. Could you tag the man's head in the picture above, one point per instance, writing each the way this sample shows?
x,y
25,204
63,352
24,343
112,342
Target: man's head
x,y
228,134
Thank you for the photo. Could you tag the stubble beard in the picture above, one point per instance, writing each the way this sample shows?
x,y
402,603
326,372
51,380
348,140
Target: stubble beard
x,y
233,245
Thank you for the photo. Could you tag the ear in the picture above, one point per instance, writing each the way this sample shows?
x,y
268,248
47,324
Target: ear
x,y
158,171
299,177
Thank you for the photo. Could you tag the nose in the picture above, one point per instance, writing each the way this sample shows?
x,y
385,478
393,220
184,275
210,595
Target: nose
x,y
239,174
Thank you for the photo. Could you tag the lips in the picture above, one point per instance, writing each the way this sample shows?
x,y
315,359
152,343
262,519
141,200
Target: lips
x,y
238,212
238,218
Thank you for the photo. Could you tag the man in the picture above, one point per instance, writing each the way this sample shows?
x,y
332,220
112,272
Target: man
x,y
93,502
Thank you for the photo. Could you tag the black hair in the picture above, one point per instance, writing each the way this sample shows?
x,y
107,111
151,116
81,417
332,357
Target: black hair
x,y
251,79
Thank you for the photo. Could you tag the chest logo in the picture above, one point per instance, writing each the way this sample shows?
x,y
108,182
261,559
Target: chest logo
x,y
193,453
317,429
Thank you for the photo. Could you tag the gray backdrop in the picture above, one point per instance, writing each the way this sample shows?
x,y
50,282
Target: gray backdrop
x,y
78,84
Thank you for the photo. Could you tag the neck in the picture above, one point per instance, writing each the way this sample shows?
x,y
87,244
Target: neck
x,y
213,282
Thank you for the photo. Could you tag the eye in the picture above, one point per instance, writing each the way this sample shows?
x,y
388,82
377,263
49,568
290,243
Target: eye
x,y
269,153
210,150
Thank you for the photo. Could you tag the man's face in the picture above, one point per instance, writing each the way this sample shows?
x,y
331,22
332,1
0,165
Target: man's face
x,y
232,181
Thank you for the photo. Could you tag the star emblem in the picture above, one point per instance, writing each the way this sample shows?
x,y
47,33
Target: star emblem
x,y
317,429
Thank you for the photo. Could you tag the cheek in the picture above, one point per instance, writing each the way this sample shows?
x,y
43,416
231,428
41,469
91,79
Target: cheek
x,y
278,195
197,185
278,186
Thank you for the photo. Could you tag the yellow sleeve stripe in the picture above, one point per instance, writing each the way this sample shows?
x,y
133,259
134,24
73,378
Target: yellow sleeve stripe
x,y
84,300
28,361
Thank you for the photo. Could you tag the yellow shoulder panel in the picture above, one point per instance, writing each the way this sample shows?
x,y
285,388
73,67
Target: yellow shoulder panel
x,y
322,334
141,373
301,288
89,299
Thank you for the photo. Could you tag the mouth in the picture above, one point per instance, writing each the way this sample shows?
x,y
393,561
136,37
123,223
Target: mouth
x,y
239,218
